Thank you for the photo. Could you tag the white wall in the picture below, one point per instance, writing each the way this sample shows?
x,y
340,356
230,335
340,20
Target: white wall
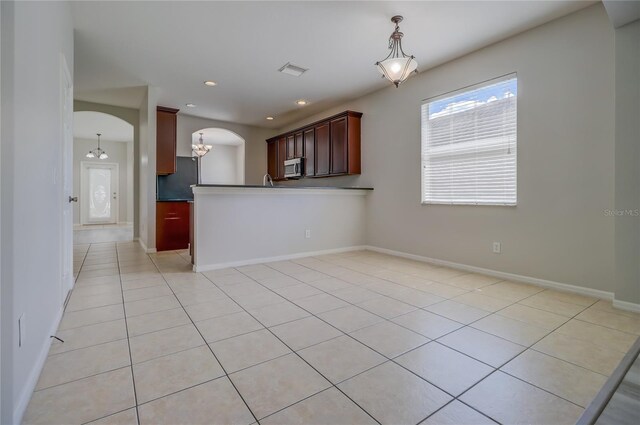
x,y
627,163
235,226
34,36
221,165
558,231
147,169
118,154
255,147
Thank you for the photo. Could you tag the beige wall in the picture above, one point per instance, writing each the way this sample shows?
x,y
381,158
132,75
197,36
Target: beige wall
x,y
35,37
627,163
558,231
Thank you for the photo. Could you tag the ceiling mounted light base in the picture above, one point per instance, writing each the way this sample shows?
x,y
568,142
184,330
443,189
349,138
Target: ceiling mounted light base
x,y
397,66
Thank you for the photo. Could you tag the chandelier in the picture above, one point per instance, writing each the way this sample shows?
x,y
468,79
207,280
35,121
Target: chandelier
x,y
397,66
201,149
97,152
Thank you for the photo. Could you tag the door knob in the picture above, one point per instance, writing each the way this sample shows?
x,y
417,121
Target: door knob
x,y
73,198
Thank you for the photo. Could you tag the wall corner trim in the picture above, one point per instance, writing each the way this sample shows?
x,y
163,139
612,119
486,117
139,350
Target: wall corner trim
x,y
144,246
626,305
503,275
32,380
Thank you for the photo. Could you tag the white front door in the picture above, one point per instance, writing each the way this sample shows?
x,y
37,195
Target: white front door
x,y
66,238
99,193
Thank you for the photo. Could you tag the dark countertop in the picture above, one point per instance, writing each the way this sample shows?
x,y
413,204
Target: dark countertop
x,y
174,200
257,186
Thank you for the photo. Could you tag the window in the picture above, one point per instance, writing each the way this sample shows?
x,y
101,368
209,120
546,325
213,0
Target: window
x,y
469,145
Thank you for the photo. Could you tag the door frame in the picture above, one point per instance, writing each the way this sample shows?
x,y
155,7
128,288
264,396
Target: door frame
x,y
84,165
66,177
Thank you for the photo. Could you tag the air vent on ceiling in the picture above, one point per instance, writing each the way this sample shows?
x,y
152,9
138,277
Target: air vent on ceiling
x,y
292,69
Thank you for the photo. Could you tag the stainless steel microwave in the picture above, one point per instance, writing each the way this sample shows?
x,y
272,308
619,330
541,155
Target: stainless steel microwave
x,y
293,168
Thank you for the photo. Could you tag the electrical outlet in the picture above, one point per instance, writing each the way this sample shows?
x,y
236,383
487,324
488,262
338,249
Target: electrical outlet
x,y
307,233
21,330
497,247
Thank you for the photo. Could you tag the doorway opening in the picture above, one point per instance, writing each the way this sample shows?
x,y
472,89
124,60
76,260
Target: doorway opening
x,y
224,164
104,211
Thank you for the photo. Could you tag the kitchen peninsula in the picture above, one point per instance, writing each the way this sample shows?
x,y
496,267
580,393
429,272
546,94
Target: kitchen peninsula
x,y
237,225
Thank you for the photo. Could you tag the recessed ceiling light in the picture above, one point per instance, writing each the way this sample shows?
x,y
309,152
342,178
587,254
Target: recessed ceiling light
x,y
191,105
210,83
301,102
269,118
291,69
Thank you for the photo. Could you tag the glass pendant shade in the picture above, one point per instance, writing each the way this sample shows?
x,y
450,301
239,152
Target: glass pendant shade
x,y
397,70
397,66
90,155
103,156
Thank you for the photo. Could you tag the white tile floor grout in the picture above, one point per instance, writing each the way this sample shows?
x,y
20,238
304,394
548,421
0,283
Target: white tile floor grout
x,y
278,355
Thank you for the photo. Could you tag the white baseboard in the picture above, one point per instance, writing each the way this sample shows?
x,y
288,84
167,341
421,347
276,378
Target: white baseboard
x,y
503,275
626,305
32,380
147,250
207,267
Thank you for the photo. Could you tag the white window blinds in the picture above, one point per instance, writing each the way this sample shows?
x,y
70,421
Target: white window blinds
x,y
469,145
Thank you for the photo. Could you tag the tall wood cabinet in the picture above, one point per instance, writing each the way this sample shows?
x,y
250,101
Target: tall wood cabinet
x,y
166,135
330,147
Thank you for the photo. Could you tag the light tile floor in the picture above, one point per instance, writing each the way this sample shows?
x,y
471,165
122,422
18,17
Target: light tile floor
x,y
354,338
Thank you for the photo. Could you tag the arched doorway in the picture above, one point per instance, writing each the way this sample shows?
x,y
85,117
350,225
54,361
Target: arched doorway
x,y
224,164
104,186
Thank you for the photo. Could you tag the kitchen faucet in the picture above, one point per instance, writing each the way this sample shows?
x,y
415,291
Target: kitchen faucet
x,y
267,178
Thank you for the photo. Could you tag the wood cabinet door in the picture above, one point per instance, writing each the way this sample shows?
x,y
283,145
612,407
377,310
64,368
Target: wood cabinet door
x,y
339,153
323,149
172,225
280,158
272,159
166,128
299,145
309,152
291,146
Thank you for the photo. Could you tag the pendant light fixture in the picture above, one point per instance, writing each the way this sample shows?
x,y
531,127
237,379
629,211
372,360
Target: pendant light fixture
x,y
98,152
397,66
200,150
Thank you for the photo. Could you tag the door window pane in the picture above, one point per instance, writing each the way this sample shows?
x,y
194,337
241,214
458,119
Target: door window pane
x,y
99,193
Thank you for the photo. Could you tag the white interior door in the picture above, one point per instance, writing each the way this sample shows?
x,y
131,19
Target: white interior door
x,y
66,167
99,197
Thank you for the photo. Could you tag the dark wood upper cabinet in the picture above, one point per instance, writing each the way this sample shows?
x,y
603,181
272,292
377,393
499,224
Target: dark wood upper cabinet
x,y
166,135
339,149
282,155
272,159
309,152
291,146
299,148
323,149
331,147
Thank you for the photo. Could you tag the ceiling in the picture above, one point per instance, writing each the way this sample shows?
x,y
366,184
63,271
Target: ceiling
x,y
176,46
112,129
217,136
